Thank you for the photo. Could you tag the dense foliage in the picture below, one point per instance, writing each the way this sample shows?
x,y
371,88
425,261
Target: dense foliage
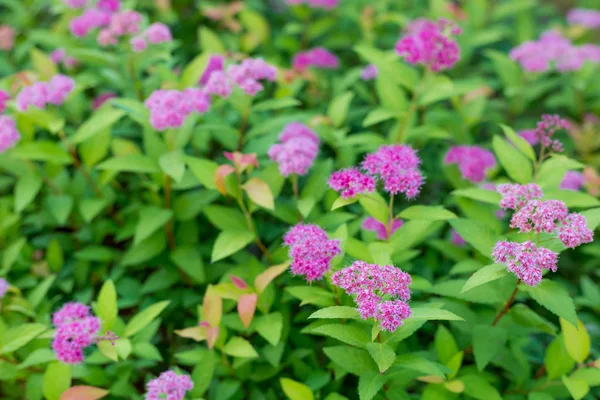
x,y
303,199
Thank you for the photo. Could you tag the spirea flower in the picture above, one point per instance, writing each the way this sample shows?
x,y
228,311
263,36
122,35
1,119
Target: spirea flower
x,y
75,3
246,75
525,260
296,151
125,23
76,329
539,216
111,6
158,33
40,94
4,98
547,127
573,180
515,196
350,182
530,136
215,63
473,161
102,98
168,386
584,17
373,225
398,167
3,287
318,57
7,37
9,135
60,56
430,44
170,108
574,231
90,19
311,251
138,43
370,283
456,239
219,84
369,72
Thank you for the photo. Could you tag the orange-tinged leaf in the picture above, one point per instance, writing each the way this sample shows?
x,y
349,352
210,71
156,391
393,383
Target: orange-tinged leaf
x,y
242,161
212,308
222,172
197,333
263,280
260,193
238,282
246,307
83,393
211,336
455,386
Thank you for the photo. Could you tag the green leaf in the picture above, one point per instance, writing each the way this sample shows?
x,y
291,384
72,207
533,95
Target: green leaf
x,y
239,347
556,360
230,242
145,317
383,354
210,42
478,387
349,334
173,164
188,259
99,121
375,206
38,357
57,379
427,213
334,312
590,375
553,170
260,193
434,314
554,297
369,384
572,198
517,165
18,336
130,163
276,104
354,360
90,208
521,144
338,108
378,115
576,340
311,295
106,305
42,64
269,327
524,316
26,189
226,218
194,70
445,344
38,294
488,342
150,220
484,275
578,388
507,69
60,207
296,390
203,169
417,363
11,253
477,234
341,202
486,196
42,150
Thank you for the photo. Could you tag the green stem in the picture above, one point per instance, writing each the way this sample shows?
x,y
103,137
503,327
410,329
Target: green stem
x,y
390,223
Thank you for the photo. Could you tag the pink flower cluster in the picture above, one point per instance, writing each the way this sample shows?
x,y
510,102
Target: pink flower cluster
x,y
515,196
215,63
9,135
554,49
530,136
525,260
584,17
4,98
170,108
573,180
75,3
296,151
539,216
373,225
168,386
456,239
574,231
245,75
370,283
350,182
326,4
369,72
102,98
311,250
319,57
3,287
76,329
41,94
121,24
473,161
547,127
60,56
430,44
91,19
154,34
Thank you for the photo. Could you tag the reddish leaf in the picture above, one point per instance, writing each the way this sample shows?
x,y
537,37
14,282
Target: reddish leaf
x,y
246,307
268,275
242,161
212,308
238,282
211,336
83,393
222,172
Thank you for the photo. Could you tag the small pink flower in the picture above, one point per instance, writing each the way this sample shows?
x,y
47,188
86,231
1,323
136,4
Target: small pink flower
x,y
170,108
296,151
370,72
525,260
125,23
318,57
138,44
4,98
456,239
111,6
515,196
585,17
3,287
351,182
215,63
219,84
158,33
473,161
530,135
574,231
75,3
373,225
101,99
539,216
76,329
89,20
391,314
7,37
168,386
573,180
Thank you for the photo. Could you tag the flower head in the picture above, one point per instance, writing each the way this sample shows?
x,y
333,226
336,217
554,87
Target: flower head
x,y
473,161
138,43
40,94
574,231
215,63
530,136
456,239
90,19
296,151
539,216
4,98
158,33
369,72
373,225
318,57
168,386
515,196
3,287
76,329
75,3
430,44
102,98
311,250
584,17
170,108
351,182
525,260
573,180
111,6
9,135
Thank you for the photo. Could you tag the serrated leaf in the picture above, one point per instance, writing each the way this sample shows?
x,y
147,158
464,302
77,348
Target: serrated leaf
x,y
98,122
516,164
57,380
130,163
554,297
239,347
295,390
82,392
488,342
150,220
173,164
576,340
369,384
16,337
383,355
270,327
106,305
578,388
260,193
267,276
145,317
521,144
334,312
433,314
349,334
427,213
484,275
230,242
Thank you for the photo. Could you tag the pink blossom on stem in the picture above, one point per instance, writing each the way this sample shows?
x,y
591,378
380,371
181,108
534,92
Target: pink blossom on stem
x,y
391,314
311,251
574,231
158,33
369,72
89,20
111,6
76,329
585,17
218,84
351,182
525,260
9,135
547,127
515,196
318,57
215,63
456,239
4,98
430,44
473,161
530,136
168,386
539,216
573,180
138,44
325,4
101,99
125,23
296,151
3,287
373,225
170,108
